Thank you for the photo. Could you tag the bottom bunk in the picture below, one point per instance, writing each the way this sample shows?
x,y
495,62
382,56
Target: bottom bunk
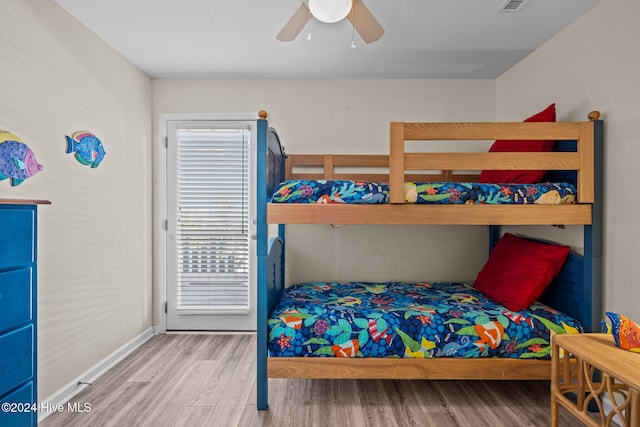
x,y
570,304
402,321
479,338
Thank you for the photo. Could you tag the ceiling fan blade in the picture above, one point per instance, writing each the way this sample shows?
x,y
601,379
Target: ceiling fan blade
x,y
295,24
365,23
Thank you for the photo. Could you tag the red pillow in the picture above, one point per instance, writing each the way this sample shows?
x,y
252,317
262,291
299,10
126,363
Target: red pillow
x,y
521,176
519,270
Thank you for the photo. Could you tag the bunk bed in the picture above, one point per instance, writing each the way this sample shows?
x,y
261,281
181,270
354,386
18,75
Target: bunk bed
x,y
575,291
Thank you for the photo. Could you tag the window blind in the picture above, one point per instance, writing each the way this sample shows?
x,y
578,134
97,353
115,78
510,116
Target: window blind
x,y
212,220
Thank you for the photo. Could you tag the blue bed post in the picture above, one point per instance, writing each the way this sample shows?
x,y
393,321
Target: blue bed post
x,y
593,235
494,235
262,237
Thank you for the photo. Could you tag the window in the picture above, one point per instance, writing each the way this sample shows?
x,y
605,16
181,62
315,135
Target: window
x,y
212,219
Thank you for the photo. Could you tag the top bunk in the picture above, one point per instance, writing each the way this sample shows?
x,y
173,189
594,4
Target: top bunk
x,y
576,159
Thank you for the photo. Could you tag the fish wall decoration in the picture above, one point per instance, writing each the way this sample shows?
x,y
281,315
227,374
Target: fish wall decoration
x,y
87,146
17,161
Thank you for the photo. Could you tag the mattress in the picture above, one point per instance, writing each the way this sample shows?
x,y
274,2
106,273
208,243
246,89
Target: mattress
x,y
359,192
395,319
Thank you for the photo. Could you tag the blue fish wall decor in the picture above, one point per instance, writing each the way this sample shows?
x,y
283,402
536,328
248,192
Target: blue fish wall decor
x,y
87,146
17,161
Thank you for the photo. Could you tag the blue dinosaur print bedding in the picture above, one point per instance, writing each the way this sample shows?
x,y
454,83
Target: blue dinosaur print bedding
x,y
394,319
359,192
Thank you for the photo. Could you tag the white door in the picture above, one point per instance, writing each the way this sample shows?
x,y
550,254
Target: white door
x,y
210,229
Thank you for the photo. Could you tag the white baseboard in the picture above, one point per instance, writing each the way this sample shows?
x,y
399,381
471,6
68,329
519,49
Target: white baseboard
x,y
67,392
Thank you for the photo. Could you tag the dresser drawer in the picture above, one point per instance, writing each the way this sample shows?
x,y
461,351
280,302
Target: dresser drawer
x,y
16,358
20,414
17,233
15,298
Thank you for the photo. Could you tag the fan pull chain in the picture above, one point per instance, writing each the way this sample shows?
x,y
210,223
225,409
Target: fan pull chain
x,y
353,29
307,26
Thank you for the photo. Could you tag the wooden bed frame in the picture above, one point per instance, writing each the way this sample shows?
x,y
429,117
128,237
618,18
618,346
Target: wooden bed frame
x,y
398,212
576,291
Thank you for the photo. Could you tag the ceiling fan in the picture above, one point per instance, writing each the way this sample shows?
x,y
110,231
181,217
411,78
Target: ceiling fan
x,y
331,11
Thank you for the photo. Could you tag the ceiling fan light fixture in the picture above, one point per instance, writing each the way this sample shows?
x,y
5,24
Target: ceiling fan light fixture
x,y
330,11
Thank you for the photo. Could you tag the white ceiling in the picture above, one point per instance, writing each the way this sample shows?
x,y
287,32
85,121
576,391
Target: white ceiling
x,y
236,38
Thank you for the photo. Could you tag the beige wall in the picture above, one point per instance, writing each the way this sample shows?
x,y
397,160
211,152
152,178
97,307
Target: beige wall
x,y
595,65
350,116
94,240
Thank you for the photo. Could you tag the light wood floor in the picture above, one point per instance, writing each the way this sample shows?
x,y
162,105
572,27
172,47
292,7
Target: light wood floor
x,y
209,380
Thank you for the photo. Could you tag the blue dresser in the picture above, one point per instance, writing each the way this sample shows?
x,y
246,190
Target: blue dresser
x,y
18,312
